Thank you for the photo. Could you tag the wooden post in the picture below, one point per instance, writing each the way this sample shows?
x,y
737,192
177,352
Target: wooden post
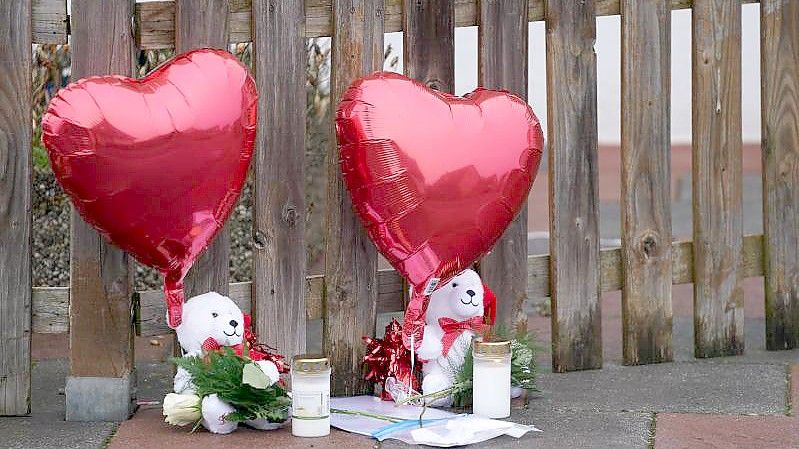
x,y
429,39
203,23
351,258
574,201
780,105
280,60
717,194
429,55
101,332
502,64
646,181
15,208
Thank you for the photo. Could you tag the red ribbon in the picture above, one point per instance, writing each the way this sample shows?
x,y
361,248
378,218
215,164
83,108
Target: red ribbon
x,y
387,357
453,329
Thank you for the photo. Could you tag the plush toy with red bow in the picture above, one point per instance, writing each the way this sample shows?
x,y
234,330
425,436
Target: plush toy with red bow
x,y
456,312
210,322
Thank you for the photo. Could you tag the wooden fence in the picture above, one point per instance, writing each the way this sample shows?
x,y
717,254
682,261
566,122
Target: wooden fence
x,y
101,311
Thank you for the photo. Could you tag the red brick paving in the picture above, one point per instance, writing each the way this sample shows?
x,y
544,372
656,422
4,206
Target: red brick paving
x,y
694,431
147,429
609,167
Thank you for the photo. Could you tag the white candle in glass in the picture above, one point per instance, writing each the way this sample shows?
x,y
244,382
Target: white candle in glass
x,y
310,396
491,378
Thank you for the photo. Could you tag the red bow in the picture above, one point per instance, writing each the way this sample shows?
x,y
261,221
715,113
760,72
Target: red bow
x,y
453,329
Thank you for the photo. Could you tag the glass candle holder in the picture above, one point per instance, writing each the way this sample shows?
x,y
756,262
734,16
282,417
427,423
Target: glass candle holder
x,y
491,378
310,396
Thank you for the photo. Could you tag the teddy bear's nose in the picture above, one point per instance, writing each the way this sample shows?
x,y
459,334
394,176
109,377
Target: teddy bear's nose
x,y
470,293
234,323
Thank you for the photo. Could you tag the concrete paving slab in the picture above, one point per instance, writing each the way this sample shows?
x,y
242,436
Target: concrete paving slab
x,y
691,431
702,387
45,427
580,429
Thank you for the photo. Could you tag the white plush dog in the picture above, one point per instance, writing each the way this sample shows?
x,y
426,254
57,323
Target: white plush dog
x,y
459,307
211,320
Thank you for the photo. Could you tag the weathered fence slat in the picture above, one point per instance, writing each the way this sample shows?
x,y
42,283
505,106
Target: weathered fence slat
x,y
645,181
429,39
49,21
279,63
101,276
574,227
502,64
780,108
15,208
429,53
51,304
350,257
156,28
717,176
203,23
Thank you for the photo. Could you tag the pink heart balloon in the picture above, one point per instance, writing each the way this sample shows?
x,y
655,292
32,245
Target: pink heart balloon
x,y
435,179
157,164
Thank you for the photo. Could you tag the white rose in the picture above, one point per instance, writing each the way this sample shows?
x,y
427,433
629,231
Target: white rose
x,y
181,409
270,369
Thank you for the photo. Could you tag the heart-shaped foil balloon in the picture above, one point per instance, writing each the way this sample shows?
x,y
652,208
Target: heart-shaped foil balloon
x,y
435,179
157,164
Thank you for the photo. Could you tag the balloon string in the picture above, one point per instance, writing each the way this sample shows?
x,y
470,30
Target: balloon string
x,y
413,362
174,302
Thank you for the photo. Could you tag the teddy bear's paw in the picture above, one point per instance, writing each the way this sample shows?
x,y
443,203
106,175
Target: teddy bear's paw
x,y
433,383
214,411
431,348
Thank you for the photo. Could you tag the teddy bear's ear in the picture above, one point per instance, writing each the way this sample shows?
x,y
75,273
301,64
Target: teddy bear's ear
x,y
489,305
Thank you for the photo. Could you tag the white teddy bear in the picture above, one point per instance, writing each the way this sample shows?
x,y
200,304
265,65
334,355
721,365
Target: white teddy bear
x,y
211,321
454,314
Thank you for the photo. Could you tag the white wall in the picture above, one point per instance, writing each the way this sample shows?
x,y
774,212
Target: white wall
x,y
608,67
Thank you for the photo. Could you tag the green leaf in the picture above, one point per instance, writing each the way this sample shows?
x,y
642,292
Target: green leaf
x,y
222,373
253,376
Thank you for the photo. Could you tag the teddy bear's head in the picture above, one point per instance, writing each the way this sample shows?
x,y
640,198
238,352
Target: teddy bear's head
x,y
210,315
460,298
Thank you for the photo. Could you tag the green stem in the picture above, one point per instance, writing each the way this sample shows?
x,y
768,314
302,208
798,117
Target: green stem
x,y
367,414
437,394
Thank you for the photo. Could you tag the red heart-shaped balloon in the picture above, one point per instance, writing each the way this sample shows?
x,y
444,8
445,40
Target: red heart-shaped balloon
x,y
435,179
157,164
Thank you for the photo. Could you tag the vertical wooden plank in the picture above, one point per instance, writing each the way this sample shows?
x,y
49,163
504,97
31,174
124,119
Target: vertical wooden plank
x,y
351,258
717,194
780,105
15,208
203,23
429,39
280,61
502,64
574,233
645,180
101,277
429,53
